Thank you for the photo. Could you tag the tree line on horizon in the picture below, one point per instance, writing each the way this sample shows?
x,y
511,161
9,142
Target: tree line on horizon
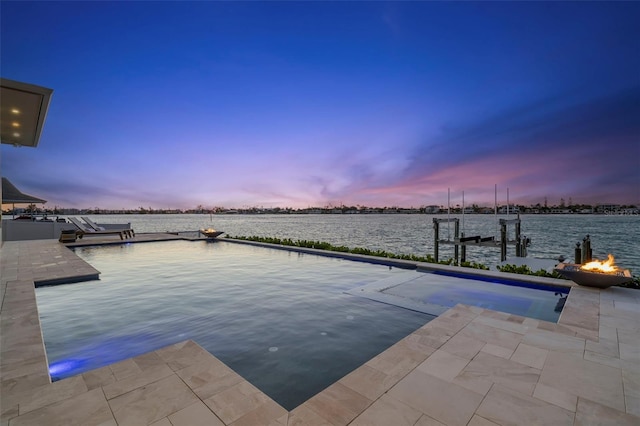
x,y
343,209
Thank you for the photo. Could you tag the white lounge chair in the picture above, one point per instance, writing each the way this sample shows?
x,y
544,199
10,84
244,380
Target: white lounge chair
x,y
129,232
86,230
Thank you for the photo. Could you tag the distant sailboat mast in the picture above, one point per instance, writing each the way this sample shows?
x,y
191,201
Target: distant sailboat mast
x,y
495,204
448,214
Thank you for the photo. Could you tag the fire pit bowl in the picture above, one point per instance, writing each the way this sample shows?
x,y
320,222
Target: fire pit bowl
x,y
211,233
597,279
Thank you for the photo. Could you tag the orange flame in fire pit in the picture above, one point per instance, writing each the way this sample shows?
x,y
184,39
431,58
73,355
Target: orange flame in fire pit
x,y
601,266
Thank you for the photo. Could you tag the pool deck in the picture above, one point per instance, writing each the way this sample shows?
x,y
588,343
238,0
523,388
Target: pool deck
x,y
469,366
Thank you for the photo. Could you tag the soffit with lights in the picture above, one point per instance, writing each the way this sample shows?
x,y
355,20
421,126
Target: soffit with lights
x,y
23,109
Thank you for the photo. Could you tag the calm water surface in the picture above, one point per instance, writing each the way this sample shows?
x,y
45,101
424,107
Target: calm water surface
x,y
280,319
551,235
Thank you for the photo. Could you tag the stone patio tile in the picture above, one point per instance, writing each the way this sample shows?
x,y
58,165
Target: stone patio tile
x,y
476,420
136,381
627,306
124,369
603,346
387,411
494,314
464,310
555,342
506,406
209,377
7,412
269,414
502,371
556,397
463,346
305,416
446,402
99,377
454,319
556,328
583,378
498,351
425,420
582,314
503,324
628,336
592,413
610,361
53,392
183,354
585,293
30,363
434,335
583,333
419,343
631,383
162,422
196,414
631,323
479,385
530,355
630,352
86,409
152,402
236,401
397,361
495,336
368,381
148,360
338,404
606,307
443,365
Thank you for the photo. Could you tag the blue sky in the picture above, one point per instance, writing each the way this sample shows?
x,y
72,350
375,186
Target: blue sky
x,y
175,105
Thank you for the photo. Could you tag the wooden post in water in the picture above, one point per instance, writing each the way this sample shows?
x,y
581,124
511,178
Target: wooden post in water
x,y
436,238
578,254
456,235
503,240
519,243
463,249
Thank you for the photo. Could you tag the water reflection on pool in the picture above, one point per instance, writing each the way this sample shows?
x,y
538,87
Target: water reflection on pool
x,y
280,319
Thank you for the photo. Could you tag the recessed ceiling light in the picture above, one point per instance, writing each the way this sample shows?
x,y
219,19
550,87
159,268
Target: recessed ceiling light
x,y
15,111
15,124
16,134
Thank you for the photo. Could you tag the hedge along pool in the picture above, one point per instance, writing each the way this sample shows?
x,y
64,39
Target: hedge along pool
x,y
280,319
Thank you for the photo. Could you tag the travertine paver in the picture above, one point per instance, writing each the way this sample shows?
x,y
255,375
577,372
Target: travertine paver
x,y
505,406
469,366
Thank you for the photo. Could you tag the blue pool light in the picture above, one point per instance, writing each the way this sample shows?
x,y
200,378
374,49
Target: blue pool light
x,y
66,367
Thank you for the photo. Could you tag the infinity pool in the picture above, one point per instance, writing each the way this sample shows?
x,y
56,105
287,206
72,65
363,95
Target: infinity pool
x,y
290,323
280,319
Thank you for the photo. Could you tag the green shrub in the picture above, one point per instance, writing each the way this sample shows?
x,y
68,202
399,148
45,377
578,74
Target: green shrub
x,y
524,269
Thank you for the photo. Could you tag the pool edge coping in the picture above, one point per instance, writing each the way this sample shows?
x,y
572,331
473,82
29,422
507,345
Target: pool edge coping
x,y
569,326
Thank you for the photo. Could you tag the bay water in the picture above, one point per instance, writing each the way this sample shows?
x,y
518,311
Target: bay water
x,y
551,235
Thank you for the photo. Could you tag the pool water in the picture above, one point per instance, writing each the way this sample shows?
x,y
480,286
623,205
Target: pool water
x,y
280,319
439,291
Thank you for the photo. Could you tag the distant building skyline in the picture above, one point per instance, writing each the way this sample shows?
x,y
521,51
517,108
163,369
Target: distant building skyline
x,y
176,104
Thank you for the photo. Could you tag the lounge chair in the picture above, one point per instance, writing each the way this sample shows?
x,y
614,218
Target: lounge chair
x,y
86,230
129,232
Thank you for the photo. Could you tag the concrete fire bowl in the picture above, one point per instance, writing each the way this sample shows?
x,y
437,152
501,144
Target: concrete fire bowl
x,y
573,272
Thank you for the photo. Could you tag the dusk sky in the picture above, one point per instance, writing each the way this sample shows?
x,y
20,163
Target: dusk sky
x,y
175,105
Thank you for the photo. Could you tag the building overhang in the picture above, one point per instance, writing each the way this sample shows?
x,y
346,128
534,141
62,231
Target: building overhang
x,y
23,109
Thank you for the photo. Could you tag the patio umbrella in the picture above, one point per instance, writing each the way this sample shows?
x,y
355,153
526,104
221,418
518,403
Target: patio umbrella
x,y
12,195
